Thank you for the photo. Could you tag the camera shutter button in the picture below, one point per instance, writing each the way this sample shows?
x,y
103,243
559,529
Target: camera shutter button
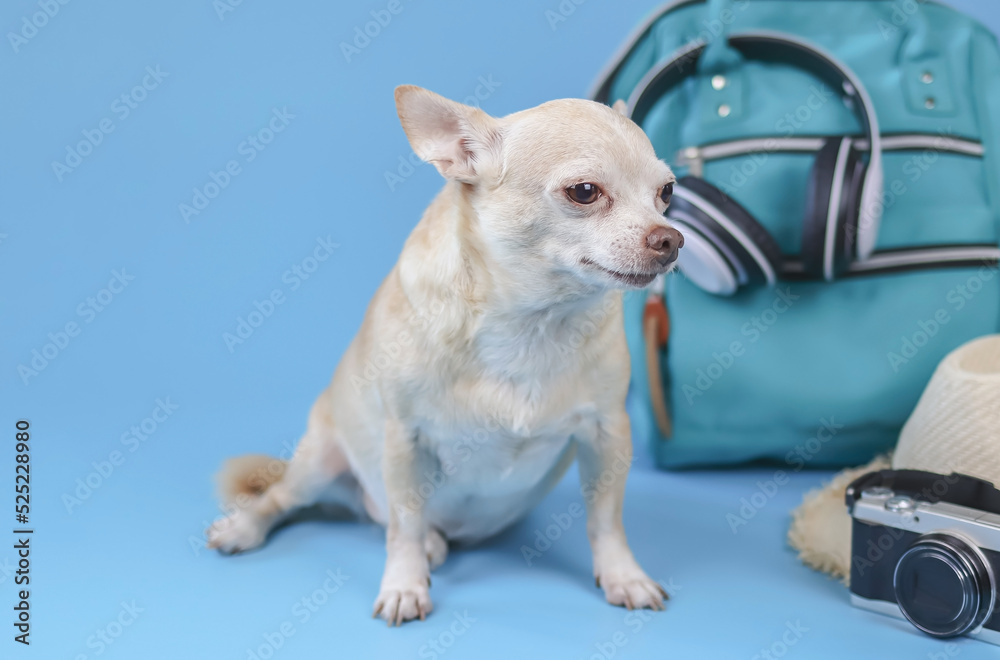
x,y
900,504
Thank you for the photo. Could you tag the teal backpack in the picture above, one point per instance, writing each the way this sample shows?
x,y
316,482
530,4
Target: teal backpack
x,y
839,194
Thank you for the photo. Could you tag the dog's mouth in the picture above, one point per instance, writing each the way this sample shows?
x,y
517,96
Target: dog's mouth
x,y
637,280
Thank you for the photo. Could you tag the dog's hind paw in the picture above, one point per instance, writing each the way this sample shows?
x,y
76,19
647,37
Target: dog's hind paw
x,y
236,533
436,547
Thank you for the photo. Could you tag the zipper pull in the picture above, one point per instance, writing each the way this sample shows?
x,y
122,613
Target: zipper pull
x,y
690,157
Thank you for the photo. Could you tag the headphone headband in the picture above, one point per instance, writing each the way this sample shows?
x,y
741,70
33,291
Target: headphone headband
x,y
777,46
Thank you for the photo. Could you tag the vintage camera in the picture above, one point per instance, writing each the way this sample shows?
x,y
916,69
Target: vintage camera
x,y
926,547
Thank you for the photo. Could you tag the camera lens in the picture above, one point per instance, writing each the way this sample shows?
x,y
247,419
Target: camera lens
x,y
944,586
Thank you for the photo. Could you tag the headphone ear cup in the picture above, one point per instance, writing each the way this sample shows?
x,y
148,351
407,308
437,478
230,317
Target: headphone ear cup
x,y
832,196
730,248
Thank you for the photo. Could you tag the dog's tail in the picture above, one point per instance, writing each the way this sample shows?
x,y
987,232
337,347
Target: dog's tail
x,y
247,476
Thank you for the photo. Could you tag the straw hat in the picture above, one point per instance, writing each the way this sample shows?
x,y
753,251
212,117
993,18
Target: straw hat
x,y
956,424
954,428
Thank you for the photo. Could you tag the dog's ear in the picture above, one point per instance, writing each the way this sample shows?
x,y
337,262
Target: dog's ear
x,y
621,107
462,142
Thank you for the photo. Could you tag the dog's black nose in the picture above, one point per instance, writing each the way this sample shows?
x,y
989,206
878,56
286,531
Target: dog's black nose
x,y
665,240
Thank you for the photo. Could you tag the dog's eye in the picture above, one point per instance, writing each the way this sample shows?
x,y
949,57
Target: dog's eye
x,y
666,192
584,193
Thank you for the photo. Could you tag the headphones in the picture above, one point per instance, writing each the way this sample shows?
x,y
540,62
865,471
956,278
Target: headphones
x,y
725,248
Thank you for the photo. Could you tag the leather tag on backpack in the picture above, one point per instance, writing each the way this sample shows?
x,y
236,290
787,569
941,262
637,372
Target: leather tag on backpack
x,y
656,335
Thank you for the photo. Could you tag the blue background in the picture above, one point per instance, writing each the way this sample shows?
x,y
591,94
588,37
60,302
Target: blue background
x,y
134,534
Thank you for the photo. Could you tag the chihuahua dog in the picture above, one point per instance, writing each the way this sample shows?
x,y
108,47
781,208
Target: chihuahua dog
x,y
494,352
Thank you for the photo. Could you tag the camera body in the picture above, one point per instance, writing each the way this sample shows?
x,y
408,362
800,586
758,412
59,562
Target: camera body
x,y
926,547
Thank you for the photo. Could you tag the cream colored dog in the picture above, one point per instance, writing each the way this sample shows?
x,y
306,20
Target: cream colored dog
x,y
493,353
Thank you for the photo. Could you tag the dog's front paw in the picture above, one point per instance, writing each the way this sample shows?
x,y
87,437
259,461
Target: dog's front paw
x,y
631,588
238,532
397,603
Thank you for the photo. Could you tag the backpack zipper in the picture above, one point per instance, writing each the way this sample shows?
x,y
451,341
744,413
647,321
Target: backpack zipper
x,y
695,157
909,259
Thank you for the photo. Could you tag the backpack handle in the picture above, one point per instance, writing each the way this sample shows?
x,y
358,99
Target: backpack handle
x,y
718,55
786,48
